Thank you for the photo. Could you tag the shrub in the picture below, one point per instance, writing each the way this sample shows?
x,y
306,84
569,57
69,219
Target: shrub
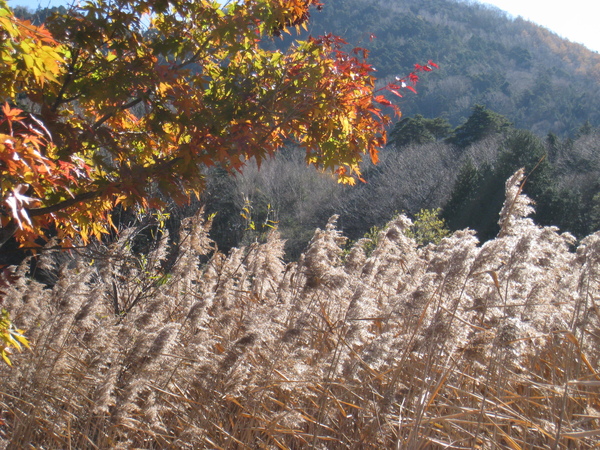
x,y
428,227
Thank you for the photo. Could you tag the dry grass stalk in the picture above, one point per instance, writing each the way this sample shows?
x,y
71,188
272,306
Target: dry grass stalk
x,y
450,346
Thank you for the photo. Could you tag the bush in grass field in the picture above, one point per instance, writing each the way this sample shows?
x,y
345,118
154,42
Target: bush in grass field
x,y
449,345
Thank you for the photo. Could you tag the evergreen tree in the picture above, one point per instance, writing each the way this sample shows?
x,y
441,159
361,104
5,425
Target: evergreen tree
x,y
481,123
553,146
522,148
478,194
585,129
563,208
419,130
458,210
411,130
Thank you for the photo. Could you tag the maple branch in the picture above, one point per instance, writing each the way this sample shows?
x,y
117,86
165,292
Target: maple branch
x,y
67,80
33,212
195,58
124,107
151,170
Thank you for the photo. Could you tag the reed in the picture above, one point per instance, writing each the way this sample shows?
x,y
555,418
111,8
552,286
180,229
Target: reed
x,y
455,345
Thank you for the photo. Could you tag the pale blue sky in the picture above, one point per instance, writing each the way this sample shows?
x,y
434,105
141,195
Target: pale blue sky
x,y
33,4
576,20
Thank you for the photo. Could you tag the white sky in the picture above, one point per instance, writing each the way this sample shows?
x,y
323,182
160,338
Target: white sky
x,y
576,20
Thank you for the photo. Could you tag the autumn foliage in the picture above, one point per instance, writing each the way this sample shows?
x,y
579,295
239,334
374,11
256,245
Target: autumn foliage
x,y
125,102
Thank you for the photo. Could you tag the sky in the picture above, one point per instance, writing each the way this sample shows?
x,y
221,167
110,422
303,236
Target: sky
x,y
575,20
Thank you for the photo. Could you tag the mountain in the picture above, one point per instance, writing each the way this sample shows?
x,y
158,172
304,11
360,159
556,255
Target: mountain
x,y
538,80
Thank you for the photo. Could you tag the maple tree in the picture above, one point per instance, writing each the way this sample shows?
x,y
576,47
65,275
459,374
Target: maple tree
x,y
123,102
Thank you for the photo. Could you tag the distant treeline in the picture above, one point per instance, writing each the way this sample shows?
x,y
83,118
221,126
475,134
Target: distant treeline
x,y
428,164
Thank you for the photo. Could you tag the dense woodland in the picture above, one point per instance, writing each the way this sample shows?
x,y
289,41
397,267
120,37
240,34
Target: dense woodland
x,y
461,172
538,80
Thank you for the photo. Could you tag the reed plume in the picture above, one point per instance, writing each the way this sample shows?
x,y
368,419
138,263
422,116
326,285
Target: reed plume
x,y
454,345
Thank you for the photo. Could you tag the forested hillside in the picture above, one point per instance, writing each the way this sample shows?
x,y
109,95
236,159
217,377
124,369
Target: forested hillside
x,y
508,94
538,80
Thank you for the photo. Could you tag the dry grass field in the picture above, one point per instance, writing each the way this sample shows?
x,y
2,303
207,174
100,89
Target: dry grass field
x,y
458,345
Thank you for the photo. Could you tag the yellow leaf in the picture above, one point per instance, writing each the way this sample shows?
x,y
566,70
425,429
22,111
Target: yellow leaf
x,y
22,339
5,357
346,126
28,59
